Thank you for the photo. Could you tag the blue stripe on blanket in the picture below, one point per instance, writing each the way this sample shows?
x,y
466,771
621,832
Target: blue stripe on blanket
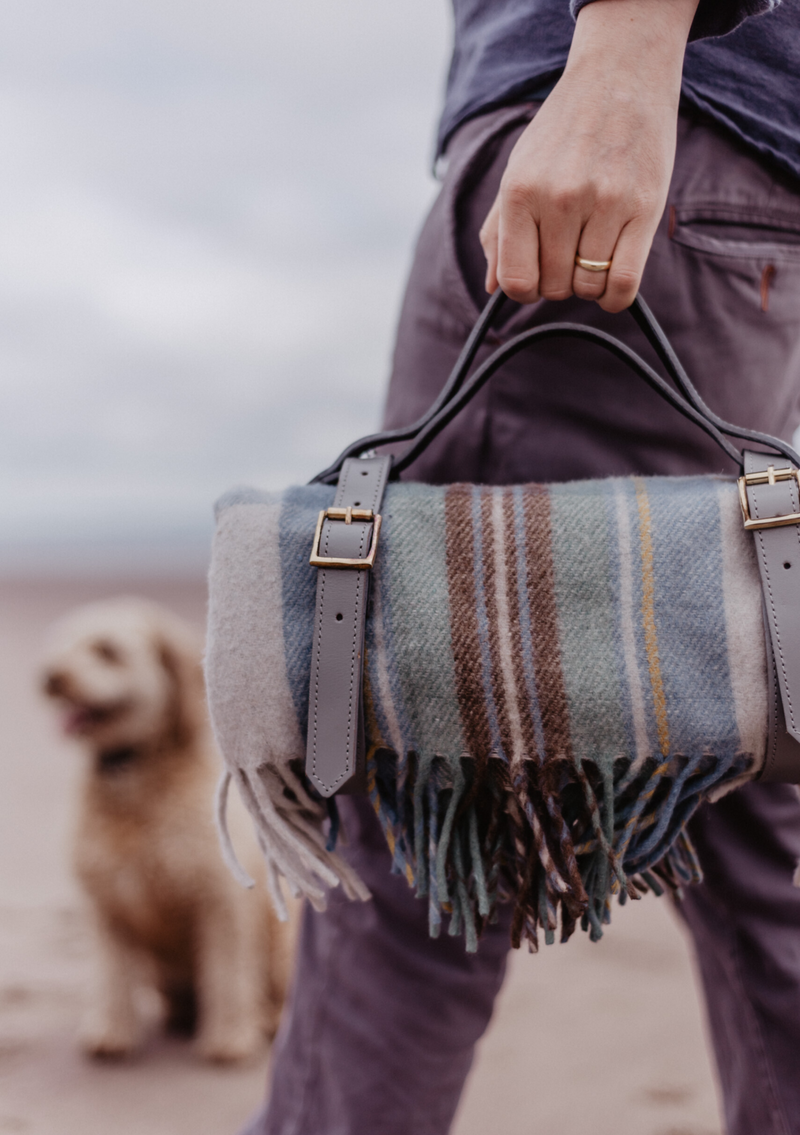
x,y
690,616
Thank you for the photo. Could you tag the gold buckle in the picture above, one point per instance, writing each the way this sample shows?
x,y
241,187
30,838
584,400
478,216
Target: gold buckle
x,y
348,515
768,476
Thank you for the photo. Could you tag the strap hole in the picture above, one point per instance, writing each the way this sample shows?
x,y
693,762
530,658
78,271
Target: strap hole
x,y
356,504
339,617
786,564
364,473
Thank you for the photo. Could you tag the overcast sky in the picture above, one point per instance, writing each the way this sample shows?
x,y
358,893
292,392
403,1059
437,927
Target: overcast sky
x,y
207,210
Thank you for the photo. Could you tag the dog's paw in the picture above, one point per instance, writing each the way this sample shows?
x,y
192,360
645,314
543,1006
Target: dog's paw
x,y
231,1045
109,1040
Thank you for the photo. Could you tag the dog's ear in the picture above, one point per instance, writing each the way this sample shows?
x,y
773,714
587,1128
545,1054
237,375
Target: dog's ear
x,y
181,656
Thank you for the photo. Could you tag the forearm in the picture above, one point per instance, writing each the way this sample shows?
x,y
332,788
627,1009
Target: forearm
x,y
632,48
712,17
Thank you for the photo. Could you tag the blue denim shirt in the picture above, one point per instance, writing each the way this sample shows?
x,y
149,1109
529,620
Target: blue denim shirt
x,y
742,65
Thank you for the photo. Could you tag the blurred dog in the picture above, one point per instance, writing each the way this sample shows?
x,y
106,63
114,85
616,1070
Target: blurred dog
x,y
127,675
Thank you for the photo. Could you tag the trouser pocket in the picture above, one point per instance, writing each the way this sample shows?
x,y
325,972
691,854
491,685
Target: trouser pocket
x,y
757,246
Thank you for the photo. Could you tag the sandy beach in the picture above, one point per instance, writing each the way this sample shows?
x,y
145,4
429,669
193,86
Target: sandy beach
x,y
604,1038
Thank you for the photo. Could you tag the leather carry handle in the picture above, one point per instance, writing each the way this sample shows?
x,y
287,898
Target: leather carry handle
x,y
558,331
457,391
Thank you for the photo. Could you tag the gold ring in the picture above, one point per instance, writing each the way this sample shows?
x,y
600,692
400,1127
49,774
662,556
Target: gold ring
x,y
592,265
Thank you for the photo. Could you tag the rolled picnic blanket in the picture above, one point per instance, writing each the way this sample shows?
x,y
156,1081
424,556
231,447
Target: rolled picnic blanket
x,y
555,677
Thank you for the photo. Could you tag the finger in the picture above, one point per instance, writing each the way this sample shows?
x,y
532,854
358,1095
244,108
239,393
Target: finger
x,y
559,233
597,242
488,239
517,246
627,266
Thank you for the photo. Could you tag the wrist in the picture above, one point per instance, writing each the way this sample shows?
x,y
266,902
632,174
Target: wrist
x,y
632,45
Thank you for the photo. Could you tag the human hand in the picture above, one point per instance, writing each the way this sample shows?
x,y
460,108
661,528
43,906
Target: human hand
x,y
590,174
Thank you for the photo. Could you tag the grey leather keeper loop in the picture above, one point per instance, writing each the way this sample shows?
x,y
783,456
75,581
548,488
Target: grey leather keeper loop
x,y
778,553
335,745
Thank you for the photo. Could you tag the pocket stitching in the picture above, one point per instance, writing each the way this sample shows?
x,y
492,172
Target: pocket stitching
x,y
735,214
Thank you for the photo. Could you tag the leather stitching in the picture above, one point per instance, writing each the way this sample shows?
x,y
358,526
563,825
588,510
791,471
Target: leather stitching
x,y
774,619
352,696
320,623
772,753
316,669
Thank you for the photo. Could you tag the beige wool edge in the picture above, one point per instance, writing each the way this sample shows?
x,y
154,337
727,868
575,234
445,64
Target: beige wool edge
x,y
747,650
252,714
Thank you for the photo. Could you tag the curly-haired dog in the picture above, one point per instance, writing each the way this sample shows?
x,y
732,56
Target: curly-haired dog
x,y
127,675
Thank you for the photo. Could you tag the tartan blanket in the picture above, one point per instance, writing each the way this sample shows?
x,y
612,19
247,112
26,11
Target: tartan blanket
x,y
555,677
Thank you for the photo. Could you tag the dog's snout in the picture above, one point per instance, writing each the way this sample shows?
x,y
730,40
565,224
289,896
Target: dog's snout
x,y
54,683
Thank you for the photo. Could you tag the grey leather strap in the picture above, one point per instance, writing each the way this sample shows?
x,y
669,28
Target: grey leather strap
x,y
782,758
335,745
771,505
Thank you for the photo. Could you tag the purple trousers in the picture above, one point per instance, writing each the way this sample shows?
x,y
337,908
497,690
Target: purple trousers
x,y
381,1026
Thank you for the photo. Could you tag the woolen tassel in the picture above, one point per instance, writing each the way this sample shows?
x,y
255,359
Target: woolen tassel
x,y
434,901
484,903
420,834
447,830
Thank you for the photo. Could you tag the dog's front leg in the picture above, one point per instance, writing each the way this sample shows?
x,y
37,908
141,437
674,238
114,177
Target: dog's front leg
x,y
112,1029
229,986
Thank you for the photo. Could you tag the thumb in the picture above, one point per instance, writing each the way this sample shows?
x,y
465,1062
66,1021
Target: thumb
x,y
488,238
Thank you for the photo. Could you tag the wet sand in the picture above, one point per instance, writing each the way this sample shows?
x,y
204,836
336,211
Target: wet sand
x,y
604,1039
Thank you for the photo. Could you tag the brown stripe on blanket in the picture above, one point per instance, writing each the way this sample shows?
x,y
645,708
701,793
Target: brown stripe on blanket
x,y
492,547
460,559
550,686
551,835
515,626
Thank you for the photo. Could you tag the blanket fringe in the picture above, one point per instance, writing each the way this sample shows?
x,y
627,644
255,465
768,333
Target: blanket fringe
x,y
223,832
559,840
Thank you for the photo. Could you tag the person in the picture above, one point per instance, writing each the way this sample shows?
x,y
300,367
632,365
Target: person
x,y
605,139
